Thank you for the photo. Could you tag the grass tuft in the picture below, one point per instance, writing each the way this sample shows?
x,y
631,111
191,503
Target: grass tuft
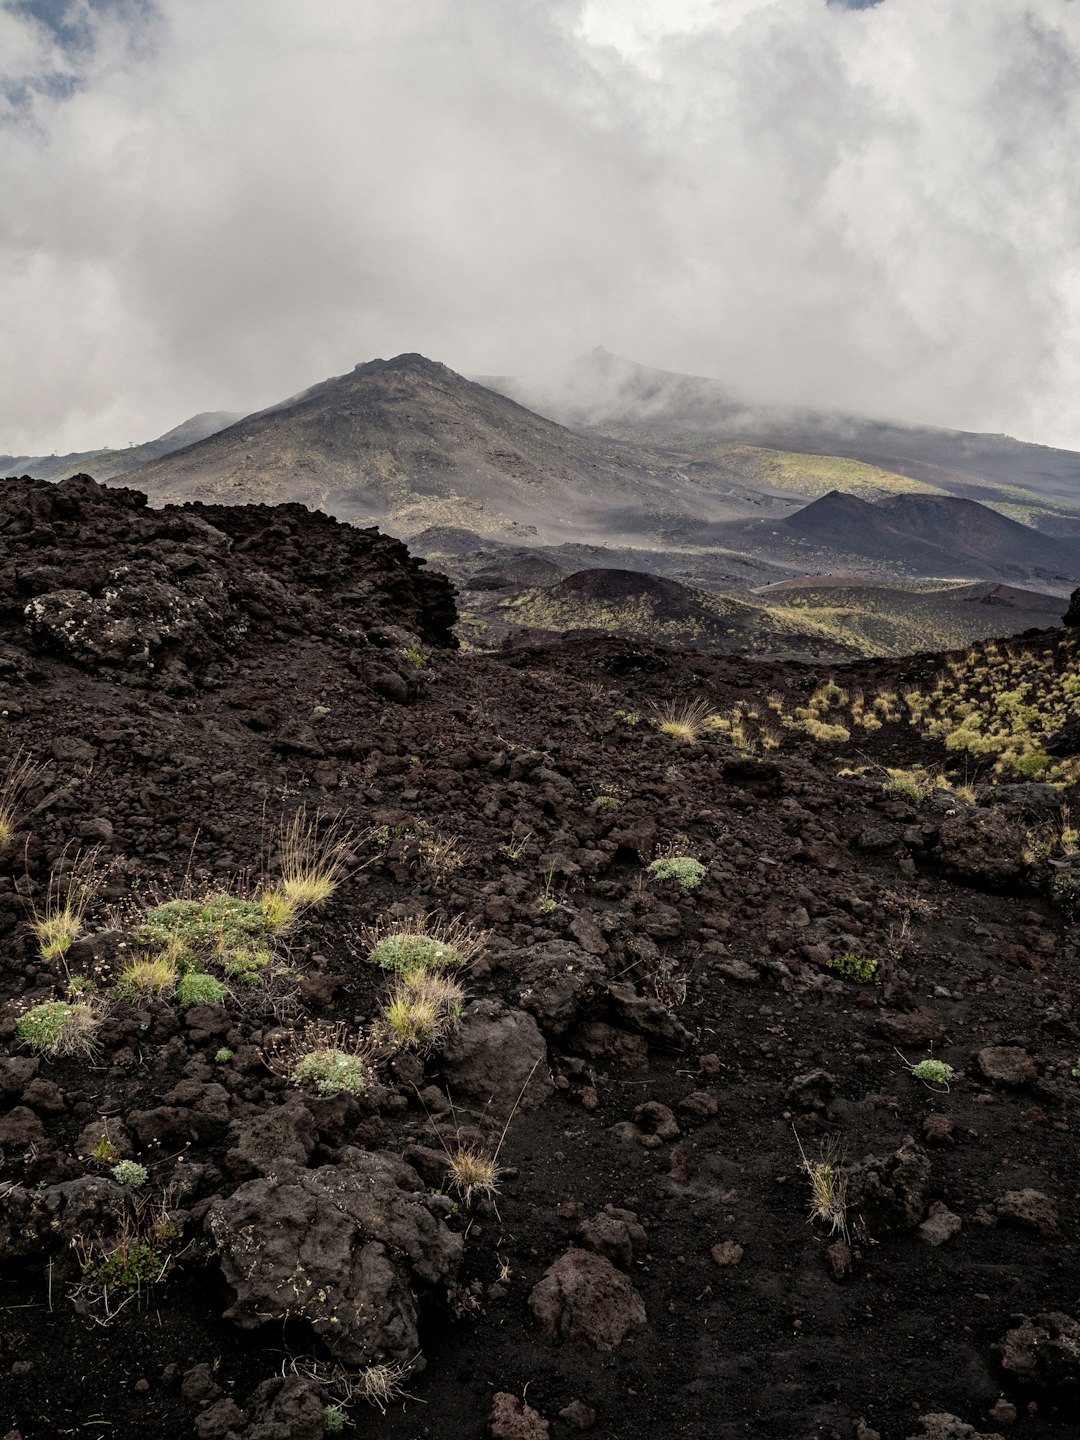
x,y
67,899
425,944
20,775
683,722
313,860
56,1028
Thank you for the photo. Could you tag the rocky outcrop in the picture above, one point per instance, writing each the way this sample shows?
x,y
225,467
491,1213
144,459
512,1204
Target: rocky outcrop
x,y
161,596
343,1247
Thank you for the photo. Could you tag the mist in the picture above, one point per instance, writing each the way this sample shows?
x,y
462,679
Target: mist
x,y
212,206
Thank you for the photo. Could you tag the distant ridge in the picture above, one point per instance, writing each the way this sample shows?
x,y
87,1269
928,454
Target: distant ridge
x,y
107,464
940,534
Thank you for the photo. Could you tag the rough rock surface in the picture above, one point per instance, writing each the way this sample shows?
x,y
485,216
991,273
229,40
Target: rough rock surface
x,y
690,1040
1044,1351
583,1300
340,1247
891,1193
158,595
942,1426
512,1419
495,1055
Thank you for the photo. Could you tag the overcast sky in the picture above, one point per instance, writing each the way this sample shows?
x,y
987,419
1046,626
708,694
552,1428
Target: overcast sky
x,y
210,204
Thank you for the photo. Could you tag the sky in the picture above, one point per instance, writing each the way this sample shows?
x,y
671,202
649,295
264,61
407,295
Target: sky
x,y
212,204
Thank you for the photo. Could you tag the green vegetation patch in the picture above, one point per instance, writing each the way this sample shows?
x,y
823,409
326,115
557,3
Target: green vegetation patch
x,y
331,1072
409,951
198,988
684,869
220,928
861,968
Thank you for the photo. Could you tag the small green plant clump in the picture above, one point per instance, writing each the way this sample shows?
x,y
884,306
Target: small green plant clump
x,y
334,1419
153,976
420,944
103,1151
933,1072
421,1007
57,1027
141,1256
130,1173
331,1072
608,802
1076,1068
219,928
415,657
683,869
199,988
223,1056
852,966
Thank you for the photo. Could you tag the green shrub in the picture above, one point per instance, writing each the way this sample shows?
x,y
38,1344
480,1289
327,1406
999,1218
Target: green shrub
x,y
862,968
684,869
130,1173
223,1056
198,988
933,1072
331,1072
57,1027
608,802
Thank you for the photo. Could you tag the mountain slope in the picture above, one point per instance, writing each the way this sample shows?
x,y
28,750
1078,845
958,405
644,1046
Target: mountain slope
x,y
107,464
614,396
925,534
409,443
909,534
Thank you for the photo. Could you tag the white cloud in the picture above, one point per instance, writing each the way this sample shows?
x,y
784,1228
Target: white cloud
x,y
868,209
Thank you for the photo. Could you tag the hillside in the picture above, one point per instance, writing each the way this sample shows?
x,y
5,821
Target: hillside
x,y
809,618
108,464
921,534
610,395
592,1038
410,444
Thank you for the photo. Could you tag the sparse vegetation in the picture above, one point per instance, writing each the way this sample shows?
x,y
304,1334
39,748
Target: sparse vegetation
x,y
683,869
324,1056
138,1257
59,1027
828,1188
853,966
19,775
72,887
683,721
425,944
196,987
150,976
313,859
421,1007
932,1072
130,1173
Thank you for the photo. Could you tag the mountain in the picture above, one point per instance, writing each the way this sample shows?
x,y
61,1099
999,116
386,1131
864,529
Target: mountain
x,y
932,535
410,444
107,464
607,394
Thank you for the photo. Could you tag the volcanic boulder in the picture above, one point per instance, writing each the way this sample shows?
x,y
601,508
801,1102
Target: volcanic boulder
x,y
341,1247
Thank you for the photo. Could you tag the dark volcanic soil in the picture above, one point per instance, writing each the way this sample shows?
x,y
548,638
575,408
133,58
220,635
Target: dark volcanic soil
x,y
189,676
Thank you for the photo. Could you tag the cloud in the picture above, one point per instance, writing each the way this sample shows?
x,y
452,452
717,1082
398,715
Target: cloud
x,y
213,206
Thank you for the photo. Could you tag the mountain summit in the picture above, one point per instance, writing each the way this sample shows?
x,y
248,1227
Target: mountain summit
x,y
408,443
